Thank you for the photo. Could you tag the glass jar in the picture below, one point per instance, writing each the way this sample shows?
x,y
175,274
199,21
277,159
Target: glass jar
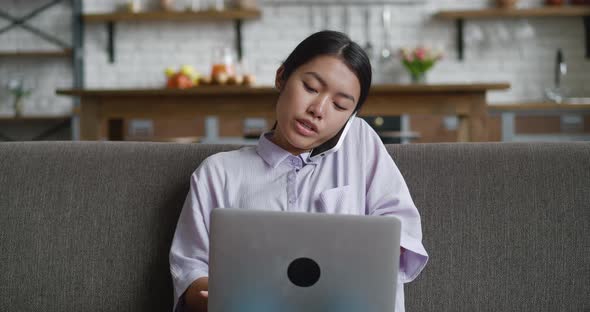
x,y
223,62
135,6
217,5
196,5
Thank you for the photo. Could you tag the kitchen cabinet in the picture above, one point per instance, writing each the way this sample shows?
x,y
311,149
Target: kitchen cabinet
x,y
103,111
509,112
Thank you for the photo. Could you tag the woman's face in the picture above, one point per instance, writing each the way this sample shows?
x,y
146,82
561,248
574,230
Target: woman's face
x,y
314,103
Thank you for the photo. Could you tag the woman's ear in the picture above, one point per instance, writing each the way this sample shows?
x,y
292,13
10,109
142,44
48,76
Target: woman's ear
x,y
279,78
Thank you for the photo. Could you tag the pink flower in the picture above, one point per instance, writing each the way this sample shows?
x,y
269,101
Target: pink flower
x,y
420,53
406,54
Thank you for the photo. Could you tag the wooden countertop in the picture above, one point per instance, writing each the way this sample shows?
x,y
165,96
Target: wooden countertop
x,y
229,90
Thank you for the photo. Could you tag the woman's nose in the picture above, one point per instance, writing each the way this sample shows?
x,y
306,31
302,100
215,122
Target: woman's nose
x,y
318,107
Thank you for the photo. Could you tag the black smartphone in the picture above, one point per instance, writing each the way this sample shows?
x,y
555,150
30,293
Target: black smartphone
x,y
334,143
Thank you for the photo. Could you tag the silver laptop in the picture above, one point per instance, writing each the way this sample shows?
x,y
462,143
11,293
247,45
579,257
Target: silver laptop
x,y
268,261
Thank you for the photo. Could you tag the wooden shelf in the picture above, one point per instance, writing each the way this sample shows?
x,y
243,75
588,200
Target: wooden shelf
x,y
549,11
27,54
537,106
235,15
172,16
40,118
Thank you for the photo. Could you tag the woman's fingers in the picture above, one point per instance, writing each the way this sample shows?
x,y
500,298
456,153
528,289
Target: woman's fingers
x,y
204,293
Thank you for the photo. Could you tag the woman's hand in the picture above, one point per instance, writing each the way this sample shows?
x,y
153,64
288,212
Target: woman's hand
x,y
197,295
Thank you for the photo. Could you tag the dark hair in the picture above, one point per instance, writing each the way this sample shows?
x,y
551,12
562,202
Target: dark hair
x,y
335,43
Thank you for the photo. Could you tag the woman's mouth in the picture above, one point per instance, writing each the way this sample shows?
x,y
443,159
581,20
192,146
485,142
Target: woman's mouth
x,y
304,128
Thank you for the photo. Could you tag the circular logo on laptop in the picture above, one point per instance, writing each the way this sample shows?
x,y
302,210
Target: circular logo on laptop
x,y
303,272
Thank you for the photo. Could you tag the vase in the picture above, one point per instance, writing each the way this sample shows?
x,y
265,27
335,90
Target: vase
x,y
418,77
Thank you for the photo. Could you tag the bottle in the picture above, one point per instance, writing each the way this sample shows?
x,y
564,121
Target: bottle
x,y
134,6
223,65
167,5
219,5
196,5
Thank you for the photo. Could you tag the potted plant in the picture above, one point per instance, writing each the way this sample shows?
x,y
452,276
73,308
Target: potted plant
x,y
17,88
418,61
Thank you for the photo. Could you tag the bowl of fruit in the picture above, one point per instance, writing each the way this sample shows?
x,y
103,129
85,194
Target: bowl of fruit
x,y
186,77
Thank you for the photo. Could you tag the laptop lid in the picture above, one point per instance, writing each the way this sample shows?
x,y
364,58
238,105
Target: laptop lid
x,y
292,262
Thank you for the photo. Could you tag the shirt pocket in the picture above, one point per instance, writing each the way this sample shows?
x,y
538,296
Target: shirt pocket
x,y
339,200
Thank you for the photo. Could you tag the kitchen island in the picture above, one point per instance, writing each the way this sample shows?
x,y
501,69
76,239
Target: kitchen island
x,y
102,111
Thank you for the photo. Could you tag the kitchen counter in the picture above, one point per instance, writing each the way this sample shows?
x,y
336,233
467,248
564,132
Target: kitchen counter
x,y
224,90
102,111
509,111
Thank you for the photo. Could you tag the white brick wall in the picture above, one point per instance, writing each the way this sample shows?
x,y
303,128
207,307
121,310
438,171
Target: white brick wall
x,y
44,75
145,49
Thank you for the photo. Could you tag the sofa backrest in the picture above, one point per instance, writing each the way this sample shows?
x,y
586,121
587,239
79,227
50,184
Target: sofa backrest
x,y
88,226
507,225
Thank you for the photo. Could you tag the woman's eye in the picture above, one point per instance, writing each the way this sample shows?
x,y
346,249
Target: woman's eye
x,y
309,89
339,107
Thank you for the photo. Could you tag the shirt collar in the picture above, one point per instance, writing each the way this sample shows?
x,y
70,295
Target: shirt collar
x,y
273,154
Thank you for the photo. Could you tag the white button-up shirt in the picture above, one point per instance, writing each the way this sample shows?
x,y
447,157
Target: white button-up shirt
x,y
360,178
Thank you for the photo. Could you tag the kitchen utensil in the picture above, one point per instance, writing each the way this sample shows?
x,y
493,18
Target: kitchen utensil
x,y
345,21
523,33
311,19
326,18
473,34
368,45
386,51
558,92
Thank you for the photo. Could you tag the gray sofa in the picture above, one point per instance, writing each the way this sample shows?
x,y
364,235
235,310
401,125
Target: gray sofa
x,y
88,226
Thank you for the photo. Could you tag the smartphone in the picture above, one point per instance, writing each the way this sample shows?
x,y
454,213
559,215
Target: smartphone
x,y
332,144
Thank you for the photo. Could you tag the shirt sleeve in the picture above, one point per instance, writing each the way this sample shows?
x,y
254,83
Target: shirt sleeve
x,y
189,254
387,195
